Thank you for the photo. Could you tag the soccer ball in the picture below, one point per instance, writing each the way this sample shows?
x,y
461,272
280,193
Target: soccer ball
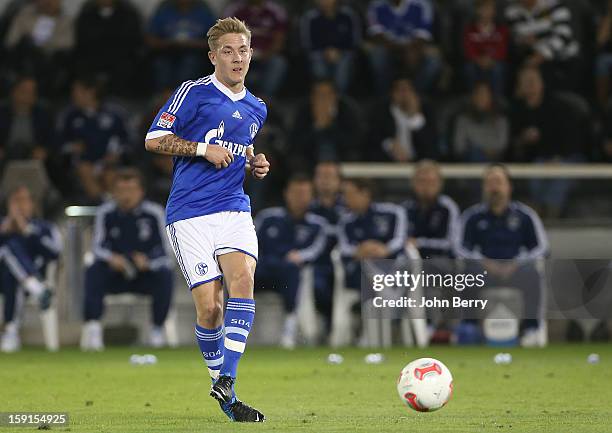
x,y
425,385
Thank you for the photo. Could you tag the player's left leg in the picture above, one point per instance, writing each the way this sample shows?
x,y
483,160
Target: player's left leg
x,y
238,272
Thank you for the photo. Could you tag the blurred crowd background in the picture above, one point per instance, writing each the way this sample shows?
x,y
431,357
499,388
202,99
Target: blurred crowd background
x,y
396,80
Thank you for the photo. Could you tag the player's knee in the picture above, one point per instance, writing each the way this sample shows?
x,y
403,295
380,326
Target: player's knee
x,y
209,315
241,285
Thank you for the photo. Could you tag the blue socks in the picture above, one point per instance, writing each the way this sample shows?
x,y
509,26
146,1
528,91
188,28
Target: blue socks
x,y
222,347
211,346
239,315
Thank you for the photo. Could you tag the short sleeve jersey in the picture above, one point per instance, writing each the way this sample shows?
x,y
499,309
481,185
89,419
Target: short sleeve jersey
x,y
205,110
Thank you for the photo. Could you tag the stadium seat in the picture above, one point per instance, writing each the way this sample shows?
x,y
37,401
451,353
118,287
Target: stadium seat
x,y
344,299
377,332
308,323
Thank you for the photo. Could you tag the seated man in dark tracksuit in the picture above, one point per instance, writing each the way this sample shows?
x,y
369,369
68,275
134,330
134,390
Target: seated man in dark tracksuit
x,y
433,218
369,230
27,246
289,238
327,204
131,254
433,223
505,238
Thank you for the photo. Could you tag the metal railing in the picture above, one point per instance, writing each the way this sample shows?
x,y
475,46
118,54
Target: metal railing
x,y
394,170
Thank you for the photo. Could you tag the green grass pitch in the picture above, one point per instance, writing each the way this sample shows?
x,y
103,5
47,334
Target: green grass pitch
x,y
543,390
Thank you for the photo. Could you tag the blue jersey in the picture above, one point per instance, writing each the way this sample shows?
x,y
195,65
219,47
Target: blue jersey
x,y
384,222
207,111
41,243
435,228
516,234
412,19
126,232
278,233
331,216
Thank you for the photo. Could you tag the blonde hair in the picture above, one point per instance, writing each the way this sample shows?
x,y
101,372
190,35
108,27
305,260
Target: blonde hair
x,y
223,27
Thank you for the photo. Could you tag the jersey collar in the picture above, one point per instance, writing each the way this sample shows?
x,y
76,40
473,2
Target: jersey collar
x,y
224,89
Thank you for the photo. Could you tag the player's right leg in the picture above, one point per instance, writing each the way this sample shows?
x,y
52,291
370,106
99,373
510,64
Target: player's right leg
x,y
194,246
192,242
208,300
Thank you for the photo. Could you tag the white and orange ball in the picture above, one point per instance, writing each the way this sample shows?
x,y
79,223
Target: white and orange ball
x,y
425,385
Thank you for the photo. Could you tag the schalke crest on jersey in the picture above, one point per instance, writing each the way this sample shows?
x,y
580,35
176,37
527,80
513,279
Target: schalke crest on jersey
x,y
253,130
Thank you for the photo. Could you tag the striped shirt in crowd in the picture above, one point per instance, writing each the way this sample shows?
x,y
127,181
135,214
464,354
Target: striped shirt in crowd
x,y
549,22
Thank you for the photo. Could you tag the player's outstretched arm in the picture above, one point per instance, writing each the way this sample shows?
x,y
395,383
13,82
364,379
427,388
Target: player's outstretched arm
x,y
170,144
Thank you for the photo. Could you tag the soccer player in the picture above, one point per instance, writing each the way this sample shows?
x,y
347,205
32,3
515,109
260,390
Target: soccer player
x,y
132,254
433,217
433,224
506,238
369,230
209,125
290,237
329,205
27,246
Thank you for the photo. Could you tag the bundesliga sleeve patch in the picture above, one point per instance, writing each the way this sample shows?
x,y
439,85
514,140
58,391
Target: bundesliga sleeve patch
x,y
166,120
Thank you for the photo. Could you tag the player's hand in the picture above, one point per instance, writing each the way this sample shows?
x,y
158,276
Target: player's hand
x,y
259,166
294,257
141,261
219,156
117,263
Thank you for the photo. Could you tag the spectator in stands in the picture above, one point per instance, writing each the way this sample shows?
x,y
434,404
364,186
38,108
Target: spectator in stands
x,y
402,129
603,67
432,217
401,39
289,238
505,238
326,129
485,44
27,246
26,124
267,21
39,39
331,33
542,36
131,254
93,134
327,204
369,230
109,42
481,131
176,35
545,130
